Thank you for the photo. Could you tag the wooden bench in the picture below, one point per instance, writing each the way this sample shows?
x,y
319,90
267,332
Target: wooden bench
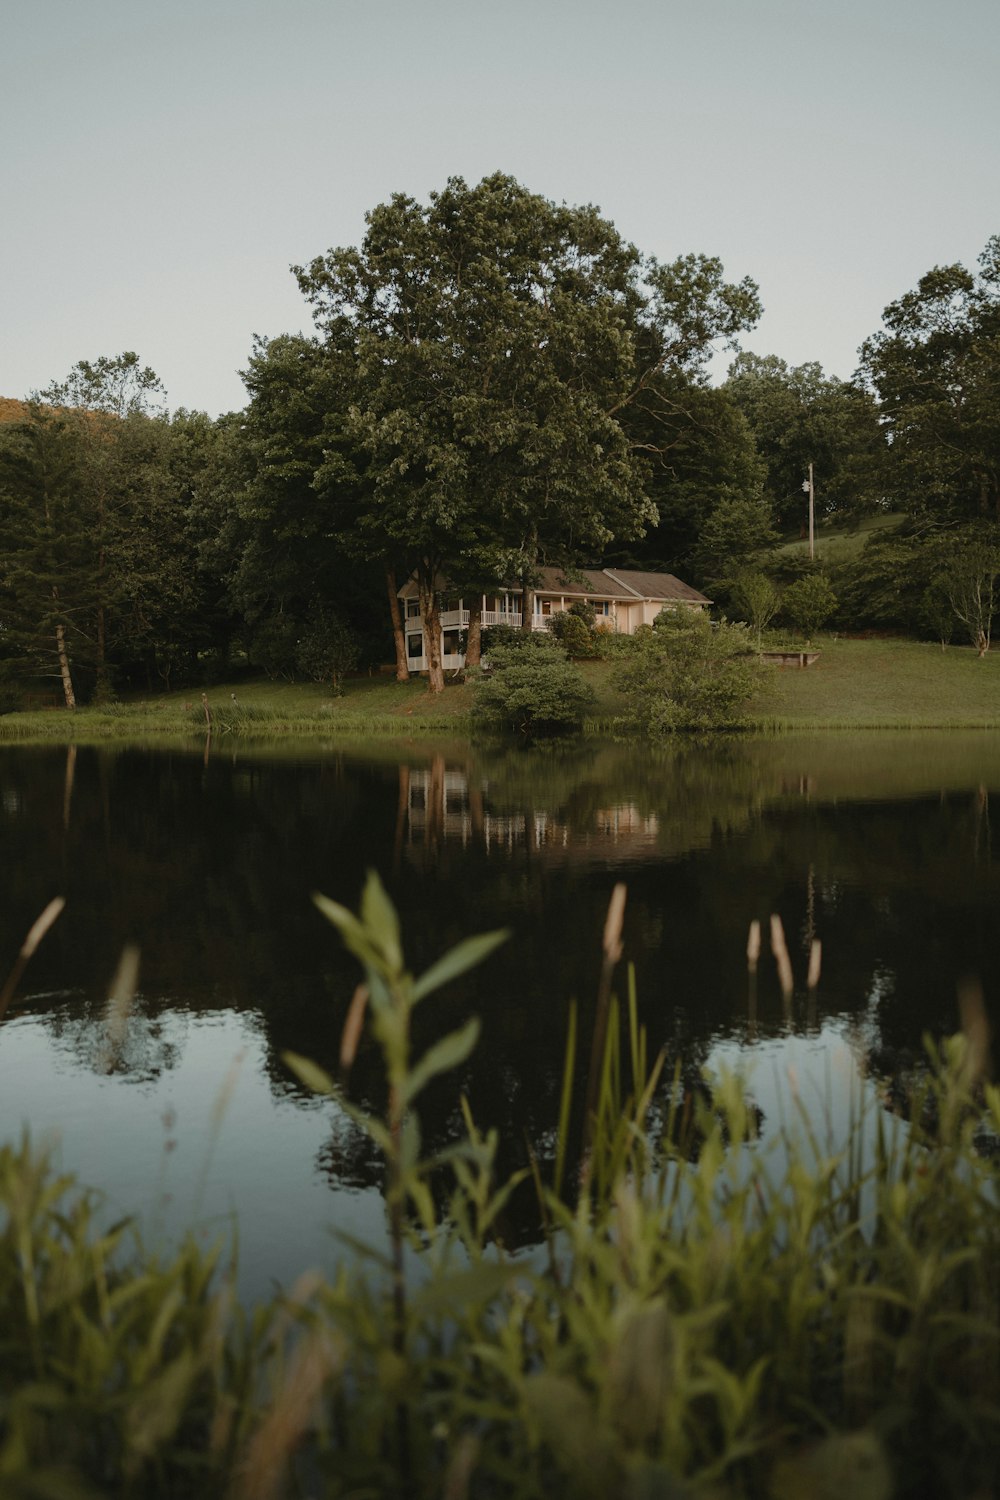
x,y
791,658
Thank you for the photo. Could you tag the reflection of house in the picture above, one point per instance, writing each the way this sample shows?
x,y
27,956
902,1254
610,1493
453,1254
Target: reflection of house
x,y
444,805
621,598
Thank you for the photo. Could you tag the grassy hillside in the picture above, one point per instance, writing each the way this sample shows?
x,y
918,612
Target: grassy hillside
x,y
838,544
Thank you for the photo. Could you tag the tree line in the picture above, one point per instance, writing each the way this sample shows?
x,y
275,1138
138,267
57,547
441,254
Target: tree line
x,y
494,382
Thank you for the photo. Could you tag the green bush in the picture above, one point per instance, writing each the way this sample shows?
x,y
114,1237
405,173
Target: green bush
x,y
573,633
327,650
808,603
530,686
688,673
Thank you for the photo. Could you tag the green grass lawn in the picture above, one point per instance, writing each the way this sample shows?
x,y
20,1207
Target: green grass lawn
x,y
887,684
865,684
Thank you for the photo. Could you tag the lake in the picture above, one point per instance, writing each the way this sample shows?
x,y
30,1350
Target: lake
x,y
881,846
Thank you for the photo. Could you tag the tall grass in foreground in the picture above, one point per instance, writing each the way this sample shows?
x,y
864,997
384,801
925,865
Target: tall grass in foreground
x,y
711,1314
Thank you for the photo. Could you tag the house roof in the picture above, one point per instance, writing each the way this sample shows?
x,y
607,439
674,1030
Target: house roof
x,y
582,583
657,586
618,583
624,584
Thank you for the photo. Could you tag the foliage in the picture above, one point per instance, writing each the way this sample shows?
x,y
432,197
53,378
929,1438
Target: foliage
x,y
715,1313
699,452
938,612
495,338
969,575
103,531
574,631
734,534
531,687
800,416
935,367
328,650
689,673
758,599
808,603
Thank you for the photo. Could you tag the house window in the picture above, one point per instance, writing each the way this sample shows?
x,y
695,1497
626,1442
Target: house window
x,y
452,642
414,645
602,607
413,609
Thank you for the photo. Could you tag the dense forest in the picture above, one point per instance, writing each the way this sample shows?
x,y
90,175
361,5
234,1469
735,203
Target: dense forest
x,y
495,382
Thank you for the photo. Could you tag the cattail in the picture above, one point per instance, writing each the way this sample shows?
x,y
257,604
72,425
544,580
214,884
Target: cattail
x,y
753,946
976,1030
815,962
780,950
613,924
36,932
351,1034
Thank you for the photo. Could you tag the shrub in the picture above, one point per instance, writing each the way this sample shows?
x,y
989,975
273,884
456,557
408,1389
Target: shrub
x,y
531,687
757,599
573,633
808,603
687,673
327,650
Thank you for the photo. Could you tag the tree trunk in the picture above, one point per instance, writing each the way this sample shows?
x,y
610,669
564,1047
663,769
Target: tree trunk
x,y
64,671
398,634
474,642
527,604
430,610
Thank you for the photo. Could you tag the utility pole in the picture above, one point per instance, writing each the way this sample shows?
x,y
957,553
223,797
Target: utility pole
x,y
810,489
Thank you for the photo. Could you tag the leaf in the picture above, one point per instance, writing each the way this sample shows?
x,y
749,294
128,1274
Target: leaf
x,y
461,1290
309,1073
851,1463
458,960
354,936
449,1052
381,921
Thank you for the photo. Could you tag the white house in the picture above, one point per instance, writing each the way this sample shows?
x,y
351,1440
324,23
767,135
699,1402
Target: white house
x,y
623,600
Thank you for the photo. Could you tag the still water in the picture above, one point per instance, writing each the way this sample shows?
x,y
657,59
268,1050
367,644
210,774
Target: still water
x,y
880,846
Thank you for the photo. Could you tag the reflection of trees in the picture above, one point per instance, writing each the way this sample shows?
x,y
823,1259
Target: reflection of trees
x,y
146,1044
209,869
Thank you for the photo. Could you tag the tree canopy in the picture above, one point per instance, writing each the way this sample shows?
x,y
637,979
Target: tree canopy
x,y
497,338
935,368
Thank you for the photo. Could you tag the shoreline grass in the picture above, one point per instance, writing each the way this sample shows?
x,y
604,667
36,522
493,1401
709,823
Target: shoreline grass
x,y
876,684
712,1310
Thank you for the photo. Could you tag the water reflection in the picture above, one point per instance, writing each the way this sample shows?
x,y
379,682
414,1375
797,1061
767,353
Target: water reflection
x,y
881,847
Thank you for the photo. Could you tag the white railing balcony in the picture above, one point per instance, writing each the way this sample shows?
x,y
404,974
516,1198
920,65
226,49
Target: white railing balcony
x,y
502,617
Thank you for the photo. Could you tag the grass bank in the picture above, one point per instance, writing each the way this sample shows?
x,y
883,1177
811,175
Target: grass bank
x,y
855,684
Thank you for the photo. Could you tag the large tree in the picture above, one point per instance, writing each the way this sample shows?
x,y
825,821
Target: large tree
x,y
97,401
800,416
287,496
935,366
497,340
49,554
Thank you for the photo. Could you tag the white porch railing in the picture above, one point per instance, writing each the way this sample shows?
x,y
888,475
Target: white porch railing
x,y
452,619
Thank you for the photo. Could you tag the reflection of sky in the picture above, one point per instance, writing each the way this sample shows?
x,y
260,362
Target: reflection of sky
x,y
789,1074
239,1150
816,1101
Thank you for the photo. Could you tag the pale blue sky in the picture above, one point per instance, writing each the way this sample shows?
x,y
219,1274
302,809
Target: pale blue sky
x,y
165,163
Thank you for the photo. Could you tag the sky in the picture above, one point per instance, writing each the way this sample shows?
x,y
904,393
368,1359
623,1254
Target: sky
x,y
165,163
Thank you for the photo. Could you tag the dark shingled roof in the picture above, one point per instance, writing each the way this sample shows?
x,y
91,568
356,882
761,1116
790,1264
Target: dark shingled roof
x,y
618,583
583,583
657,586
